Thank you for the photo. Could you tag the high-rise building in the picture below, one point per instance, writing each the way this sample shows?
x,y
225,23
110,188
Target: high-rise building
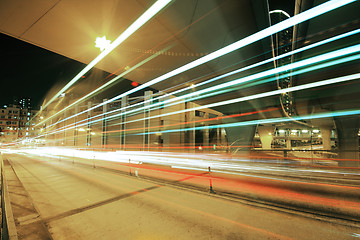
x,y
22,102
17,122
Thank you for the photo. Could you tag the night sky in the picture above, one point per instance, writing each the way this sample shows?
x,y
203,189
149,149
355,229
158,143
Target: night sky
x,y
30,71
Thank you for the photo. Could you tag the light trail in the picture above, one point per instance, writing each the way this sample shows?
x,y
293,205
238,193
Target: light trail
x,y
226,75
145,17
180,31
304,16
256,96
292,66
316,59
198,121
196,161
138,64
106,84
232,73
265,121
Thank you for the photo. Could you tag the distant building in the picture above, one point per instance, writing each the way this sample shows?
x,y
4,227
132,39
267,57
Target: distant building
x,y
22,102
17,122
150,129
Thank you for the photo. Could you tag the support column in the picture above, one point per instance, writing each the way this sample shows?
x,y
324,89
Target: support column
x,y
63,142
192,126
104,136
239,138
288,143
124,103
325,135
147,103
266,136
88,135
348,140
76,110
206,141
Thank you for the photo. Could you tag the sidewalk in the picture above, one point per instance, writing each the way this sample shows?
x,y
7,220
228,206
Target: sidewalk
x,y
25,215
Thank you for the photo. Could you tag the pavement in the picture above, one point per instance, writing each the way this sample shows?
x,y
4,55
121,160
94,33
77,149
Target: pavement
x,y
77,198
336,198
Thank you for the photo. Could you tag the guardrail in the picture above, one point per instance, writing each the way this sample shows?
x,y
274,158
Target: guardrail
x,y
8,228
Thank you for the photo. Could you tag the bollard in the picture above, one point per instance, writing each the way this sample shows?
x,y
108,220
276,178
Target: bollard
x,y
129,168
211,187
210,182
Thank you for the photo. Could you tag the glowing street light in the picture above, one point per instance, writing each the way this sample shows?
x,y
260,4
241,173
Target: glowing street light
x,y
145,17
102,43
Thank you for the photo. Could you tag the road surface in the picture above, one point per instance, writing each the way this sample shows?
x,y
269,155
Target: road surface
x,y
72,201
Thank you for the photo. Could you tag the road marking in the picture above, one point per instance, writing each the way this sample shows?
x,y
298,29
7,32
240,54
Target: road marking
x,y
28,219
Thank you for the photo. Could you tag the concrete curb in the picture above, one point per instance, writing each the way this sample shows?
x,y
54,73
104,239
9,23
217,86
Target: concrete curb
x,y
9,227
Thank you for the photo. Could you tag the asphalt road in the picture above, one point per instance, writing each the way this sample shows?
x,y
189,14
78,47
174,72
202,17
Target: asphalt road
x,y
77,202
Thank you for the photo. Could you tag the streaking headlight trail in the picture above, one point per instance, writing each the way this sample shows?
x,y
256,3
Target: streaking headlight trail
x,y
309,14
151,12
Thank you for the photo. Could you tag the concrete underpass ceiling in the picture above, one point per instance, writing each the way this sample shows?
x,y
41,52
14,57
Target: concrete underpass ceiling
x,y
70,28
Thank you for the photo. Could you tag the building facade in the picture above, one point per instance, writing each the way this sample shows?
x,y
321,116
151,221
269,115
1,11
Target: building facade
x,y
17,123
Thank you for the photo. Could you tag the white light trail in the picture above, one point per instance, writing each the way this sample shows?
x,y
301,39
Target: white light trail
x,y
292,66
322,57
232,73
151,12
241,99
200,161
264,121
267,94
280,11
303,63
304,16
105,85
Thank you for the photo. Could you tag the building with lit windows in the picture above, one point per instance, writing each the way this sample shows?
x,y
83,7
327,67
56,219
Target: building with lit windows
x,y
17,123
